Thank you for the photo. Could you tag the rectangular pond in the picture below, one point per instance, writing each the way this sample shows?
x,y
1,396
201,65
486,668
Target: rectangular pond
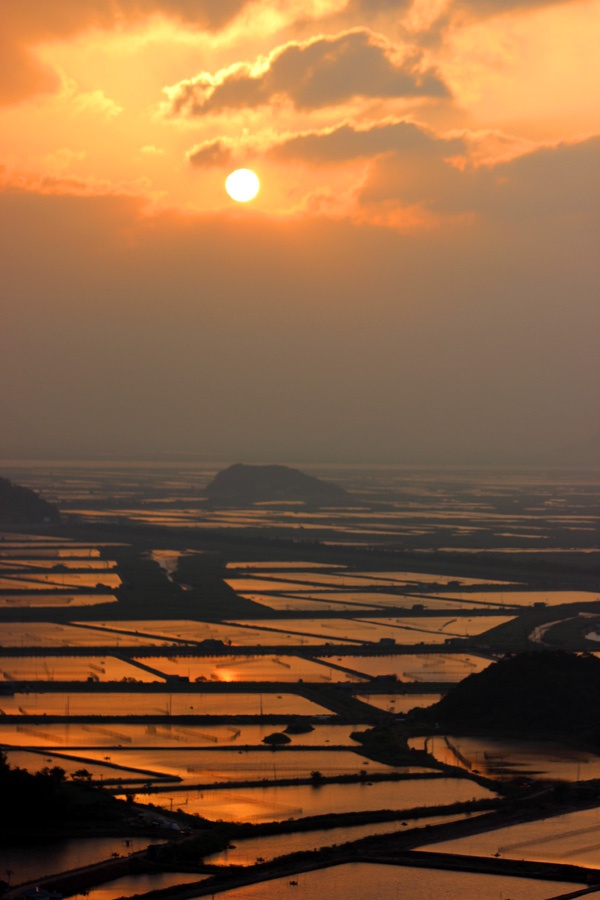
x,y
49,634
39,858
355,881
69,735
218,764
399,704
54,598
70,668
245,634
528,598
244,668
311,602
571,838
272,803
505,759
247,852
100,703
403,630
413,667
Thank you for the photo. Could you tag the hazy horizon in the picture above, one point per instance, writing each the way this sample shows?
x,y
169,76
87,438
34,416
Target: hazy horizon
x,y
415,283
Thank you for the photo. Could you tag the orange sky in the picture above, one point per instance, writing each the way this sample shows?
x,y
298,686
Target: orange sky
x,y
417,279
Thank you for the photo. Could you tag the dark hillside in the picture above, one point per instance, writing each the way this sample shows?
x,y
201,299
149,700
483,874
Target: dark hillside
x,y
20,505
544,693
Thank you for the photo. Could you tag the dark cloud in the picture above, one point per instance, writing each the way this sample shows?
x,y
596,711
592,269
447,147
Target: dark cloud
x,y
25,23
346,142
484,8
321,72
550,181
211,153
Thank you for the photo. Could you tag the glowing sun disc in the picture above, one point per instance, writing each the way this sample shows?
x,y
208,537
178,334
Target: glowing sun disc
x,y
242,185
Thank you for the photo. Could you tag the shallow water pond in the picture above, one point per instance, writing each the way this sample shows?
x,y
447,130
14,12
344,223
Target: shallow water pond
x,y
243,585
243,668
132,885
266,804
399,703
211,766
503,758
571,838
403,602
60,580
308,601
248,634
411,667
275,566
48,634
49,564
246,852
528,598
355,881
68,735
57,598
164,704
70,668
37,858
401,629
101,769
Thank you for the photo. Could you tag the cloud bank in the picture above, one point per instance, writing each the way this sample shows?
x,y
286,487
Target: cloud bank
x,y
321,72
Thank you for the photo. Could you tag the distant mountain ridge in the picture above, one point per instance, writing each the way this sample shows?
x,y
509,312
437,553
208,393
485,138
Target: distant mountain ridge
x,y
242,483
20,505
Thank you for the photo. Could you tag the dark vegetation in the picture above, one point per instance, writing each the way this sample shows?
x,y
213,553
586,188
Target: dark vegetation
x,y
242,484
21,506
544,693
48,801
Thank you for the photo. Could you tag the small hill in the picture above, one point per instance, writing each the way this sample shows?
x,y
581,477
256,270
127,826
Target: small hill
x,y
543,693
22,506
243,484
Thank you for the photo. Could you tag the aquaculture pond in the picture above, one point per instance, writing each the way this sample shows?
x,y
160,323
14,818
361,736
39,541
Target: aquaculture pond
x,y
132,885
209,766
276,803
399,703
40,857
411,667
505,759
528,598
246,634
101,703
246,852
401,629
102,770
571,838
242,668
54,598
356,881
312,602
71,668
48,634
68,735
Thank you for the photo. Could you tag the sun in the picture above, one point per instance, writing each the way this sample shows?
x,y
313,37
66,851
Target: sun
x,y
242,185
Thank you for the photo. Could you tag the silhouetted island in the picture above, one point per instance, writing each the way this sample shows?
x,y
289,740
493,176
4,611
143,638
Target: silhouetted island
x,y
20,506
242,484
546,693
